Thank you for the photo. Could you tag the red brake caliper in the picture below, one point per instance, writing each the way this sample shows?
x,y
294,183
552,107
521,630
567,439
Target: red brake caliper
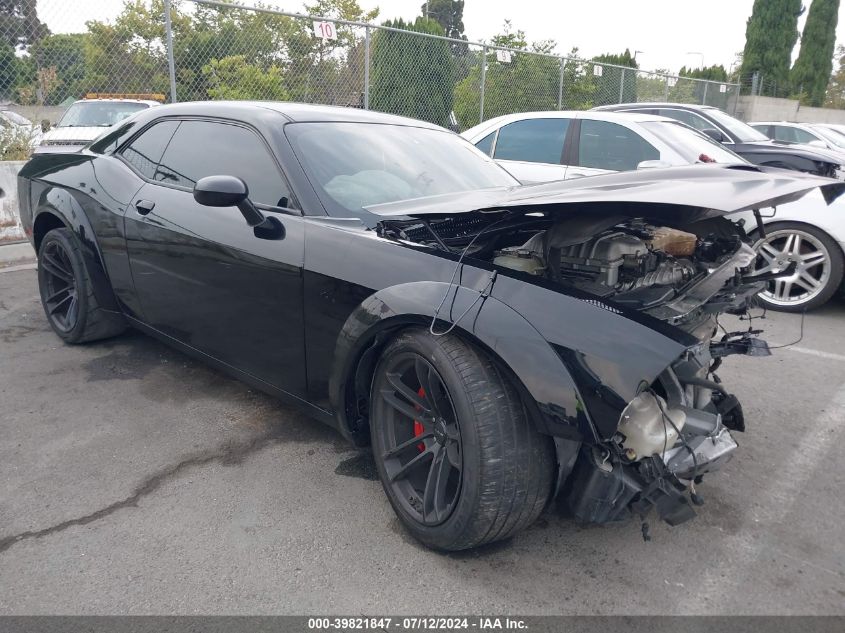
x,y
418,427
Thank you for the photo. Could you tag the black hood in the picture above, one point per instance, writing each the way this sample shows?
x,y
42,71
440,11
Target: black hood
x,y
681,194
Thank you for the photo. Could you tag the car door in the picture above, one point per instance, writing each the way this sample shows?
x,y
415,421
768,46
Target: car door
x,y
201,274
532,149
602,147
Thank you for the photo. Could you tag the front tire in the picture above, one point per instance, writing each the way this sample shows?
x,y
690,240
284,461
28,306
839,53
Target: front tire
x,y
456,453
67,294
820,266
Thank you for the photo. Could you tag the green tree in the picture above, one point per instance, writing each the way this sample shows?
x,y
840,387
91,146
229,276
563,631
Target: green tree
x,y
412,76
579,86
835,96
216,33
19,23
616,85
811,72
525,83
129,55
701,92
653,86
450,15
770,35
9,69
716,72
65,53
234,78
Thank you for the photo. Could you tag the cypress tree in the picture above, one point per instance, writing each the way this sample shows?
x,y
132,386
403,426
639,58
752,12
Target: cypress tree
x,y
412,75
811,72
770,36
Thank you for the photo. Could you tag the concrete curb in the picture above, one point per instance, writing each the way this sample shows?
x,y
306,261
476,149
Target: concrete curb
x,y
16,254
10,222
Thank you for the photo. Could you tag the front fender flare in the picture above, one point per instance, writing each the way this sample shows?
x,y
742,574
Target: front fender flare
x,y
536,368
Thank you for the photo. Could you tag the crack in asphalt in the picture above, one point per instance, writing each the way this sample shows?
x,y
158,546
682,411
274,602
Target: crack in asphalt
x,y
229,454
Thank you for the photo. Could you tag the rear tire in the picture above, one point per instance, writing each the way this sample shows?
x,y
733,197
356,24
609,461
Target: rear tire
x,y
67,294
821,266
445,406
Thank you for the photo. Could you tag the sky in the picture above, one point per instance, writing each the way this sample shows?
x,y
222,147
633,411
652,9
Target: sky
x,y
667,33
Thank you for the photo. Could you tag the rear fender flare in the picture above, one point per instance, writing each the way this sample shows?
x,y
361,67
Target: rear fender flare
x,y
60,203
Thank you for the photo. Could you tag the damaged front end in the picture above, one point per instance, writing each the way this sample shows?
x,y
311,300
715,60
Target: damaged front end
x,y
674,432
620,243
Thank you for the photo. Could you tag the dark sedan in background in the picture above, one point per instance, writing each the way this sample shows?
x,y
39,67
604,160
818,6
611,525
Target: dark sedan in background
x,y
496,345
741,138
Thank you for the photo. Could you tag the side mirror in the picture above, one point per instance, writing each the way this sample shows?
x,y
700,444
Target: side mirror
x,y
45,125
220,191
230,191
653,164
715,134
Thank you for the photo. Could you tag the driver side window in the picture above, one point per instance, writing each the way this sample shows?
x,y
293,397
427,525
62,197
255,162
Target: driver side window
x,y
210,148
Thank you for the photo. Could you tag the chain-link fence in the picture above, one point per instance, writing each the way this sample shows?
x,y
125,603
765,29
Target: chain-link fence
x,y
207,49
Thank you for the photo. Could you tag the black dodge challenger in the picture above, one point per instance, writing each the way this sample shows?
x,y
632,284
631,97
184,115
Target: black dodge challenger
x,y
497,346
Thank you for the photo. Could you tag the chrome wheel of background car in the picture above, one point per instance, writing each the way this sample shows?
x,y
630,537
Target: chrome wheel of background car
x,y
422,440
61,298
777,251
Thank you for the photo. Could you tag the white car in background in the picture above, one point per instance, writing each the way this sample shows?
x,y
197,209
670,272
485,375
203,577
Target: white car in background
x,y
837,128
544,146
814,134
86,119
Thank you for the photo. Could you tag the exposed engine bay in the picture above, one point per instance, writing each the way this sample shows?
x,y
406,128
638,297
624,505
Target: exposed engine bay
x,y
683,277
663,271
678,428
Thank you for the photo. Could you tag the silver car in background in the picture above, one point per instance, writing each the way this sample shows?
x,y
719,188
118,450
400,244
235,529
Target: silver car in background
x,y
815,134
544,146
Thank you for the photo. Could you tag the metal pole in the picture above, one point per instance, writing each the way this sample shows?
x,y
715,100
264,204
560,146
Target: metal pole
x,y
560,87
367,68
666,98
483,81
171,66
704,99
621,85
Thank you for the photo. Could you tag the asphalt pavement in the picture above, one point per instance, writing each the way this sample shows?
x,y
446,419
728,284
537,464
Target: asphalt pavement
x,y
135,480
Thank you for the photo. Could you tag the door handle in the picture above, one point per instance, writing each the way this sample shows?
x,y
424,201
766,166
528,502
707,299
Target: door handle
x,y
144,206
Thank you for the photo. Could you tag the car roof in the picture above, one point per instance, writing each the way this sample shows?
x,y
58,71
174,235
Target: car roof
x,y
655,104
565,114
148,102
293,112
792,123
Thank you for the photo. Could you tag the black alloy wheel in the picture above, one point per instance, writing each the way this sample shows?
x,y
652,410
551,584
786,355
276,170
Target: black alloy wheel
x,y
422,436
61,297
457,454
67,295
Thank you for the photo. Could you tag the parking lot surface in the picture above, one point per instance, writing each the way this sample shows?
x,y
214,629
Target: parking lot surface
x,y
136,480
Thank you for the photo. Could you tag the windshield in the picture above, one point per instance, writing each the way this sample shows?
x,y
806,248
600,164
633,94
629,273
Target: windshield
x,y
98,113
832,137
693,146
355,165
745,133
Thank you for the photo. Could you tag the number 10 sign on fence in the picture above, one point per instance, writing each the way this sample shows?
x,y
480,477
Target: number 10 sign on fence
x,y
325,30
